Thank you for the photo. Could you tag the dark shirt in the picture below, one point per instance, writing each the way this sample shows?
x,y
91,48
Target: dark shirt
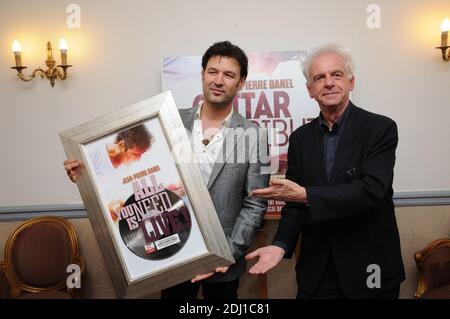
x,y
330,279
331,139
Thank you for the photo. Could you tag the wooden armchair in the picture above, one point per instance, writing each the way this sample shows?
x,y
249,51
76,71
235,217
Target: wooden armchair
x,y
37,254
433,263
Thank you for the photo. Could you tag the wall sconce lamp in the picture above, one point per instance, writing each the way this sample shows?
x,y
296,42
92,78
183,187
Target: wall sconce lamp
x,y
445,27
53,71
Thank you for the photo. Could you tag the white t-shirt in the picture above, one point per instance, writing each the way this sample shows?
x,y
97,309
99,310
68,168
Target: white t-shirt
x,y
101,161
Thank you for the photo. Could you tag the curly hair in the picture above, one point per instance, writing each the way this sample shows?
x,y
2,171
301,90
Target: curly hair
x,y
335,48
137,136
229,50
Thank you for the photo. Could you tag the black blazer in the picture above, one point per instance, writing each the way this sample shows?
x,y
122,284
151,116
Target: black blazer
x,y
352,215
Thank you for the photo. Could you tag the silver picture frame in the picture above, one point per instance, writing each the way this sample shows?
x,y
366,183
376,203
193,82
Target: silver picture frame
x,y
206,246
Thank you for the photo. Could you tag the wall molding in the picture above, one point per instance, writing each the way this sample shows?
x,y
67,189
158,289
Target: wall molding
x,y
11,213
422,198
26,212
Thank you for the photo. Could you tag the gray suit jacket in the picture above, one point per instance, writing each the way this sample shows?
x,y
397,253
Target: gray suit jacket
x,y
241,167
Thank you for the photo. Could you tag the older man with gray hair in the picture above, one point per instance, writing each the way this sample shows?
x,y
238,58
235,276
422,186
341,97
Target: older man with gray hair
x,y
338,193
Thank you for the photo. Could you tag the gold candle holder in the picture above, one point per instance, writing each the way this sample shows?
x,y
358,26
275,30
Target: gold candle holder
x,y
53,71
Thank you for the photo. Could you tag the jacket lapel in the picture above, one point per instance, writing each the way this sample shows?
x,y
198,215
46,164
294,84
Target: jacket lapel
x,y
317,155
188,120
231,140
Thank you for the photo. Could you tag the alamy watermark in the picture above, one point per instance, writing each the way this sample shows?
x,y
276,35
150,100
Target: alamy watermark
x,y
374,279
240,146
374,19
73,20
74,279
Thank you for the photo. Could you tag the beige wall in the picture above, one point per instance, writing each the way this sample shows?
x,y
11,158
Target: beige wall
x,y
418,226
117,56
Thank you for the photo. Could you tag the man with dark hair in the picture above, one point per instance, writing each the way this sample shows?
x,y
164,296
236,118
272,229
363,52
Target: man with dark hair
x,y
338,193
128,147
136,137
214,127
216,131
